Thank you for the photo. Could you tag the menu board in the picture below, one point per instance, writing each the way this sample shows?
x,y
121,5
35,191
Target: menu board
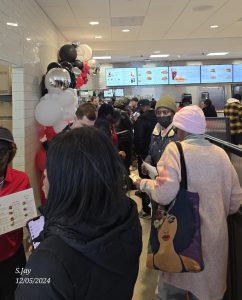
x,y
237,73
16,209
108,93
216,73
152,75
121,76
119,92
184,74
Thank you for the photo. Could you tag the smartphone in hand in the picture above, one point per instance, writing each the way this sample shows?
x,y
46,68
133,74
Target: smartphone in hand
x,y
35,226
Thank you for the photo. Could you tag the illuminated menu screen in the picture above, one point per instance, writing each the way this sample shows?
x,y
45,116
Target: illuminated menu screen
x,y
119,92
121,76
108,93
155,75
216,73
237,73
184,74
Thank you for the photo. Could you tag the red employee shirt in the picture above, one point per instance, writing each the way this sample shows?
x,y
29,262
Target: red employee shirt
x,y
15,181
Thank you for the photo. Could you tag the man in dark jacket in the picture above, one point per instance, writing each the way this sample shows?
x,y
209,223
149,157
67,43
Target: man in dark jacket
x,y
143,128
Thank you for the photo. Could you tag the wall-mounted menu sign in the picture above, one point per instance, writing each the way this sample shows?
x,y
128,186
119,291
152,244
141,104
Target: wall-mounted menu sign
x,y
108,93
237,73
152,75
184,74
121,76
216,73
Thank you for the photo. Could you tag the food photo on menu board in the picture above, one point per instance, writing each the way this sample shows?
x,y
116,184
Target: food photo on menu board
x,y
216,73
121,76
184,74
237,73
152,75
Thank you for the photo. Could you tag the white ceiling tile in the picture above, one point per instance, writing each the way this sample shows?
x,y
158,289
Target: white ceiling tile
x,y
191,19
128,8
51,2
61,15
118,35
90,8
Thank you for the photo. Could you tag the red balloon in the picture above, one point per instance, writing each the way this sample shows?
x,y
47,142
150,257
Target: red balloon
x,y
50,132
79,81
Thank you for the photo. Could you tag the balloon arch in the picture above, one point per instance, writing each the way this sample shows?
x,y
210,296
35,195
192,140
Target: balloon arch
x,y
58,103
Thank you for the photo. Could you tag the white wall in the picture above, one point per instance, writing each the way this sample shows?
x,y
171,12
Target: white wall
x,y
29,60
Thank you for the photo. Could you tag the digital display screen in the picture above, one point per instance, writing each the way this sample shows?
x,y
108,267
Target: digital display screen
x,y
119,92
108,93
237,73
184,74
121,76
152,75
84,93
216,73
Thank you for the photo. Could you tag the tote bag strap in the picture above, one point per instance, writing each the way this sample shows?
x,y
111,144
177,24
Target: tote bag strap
x,y
183,183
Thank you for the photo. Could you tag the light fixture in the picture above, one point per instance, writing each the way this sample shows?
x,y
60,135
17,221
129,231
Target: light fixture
x,y
159,55
12,24
126,30
98,37
101,57
94,23
214,26
217,53
156,52
28,39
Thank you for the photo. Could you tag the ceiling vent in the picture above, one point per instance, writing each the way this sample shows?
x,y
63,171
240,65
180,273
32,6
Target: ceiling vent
x,y
127,21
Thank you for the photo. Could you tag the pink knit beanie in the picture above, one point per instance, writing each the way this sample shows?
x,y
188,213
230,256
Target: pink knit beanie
x,y
190,119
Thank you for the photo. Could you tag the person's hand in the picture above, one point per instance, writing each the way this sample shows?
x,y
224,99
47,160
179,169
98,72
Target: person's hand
x,y
122,154
30,249
137,184
144,170
43,139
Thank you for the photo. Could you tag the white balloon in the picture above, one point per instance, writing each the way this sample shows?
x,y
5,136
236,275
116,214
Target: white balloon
x,y
69,112
58,127
85,51
48,112
92,63
66,98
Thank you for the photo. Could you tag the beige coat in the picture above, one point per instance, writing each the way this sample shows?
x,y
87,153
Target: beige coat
x,y
211,174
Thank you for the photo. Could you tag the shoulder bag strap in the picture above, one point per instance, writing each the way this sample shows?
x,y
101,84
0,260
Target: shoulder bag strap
x,y
183,183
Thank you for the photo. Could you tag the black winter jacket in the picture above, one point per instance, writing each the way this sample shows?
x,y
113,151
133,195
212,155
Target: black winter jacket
x,y
143,128
73,266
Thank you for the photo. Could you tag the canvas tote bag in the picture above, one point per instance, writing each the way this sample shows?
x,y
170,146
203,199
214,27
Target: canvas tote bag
x,y
175,237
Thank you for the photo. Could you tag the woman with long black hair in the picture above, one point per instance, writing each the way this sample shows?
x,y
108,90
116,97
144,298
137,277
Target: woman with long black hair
x,y
92,235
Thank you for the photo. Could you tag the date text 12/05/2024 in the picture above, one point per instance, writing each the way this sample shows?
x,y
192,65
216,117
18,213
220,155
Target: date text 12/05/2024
x,y
32,280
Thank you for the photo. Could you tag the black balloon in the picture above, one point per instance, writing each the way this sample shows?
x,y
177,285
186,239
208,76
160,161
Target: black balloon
x,y
68,53
53,65
79,64
66,65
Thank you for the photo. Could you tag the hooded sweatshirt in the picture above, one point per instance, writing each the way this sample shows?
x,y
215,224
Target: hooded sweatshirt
x,y
86,262
233,110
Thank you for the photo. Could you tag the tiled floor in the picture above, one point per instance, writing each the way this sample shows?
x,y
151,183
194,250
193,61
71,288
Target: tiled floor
x,y
146,282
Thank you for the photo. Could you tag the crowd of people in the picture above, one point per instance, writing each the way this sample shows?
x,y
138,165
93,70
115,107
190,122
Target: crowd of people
x,y
92,238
